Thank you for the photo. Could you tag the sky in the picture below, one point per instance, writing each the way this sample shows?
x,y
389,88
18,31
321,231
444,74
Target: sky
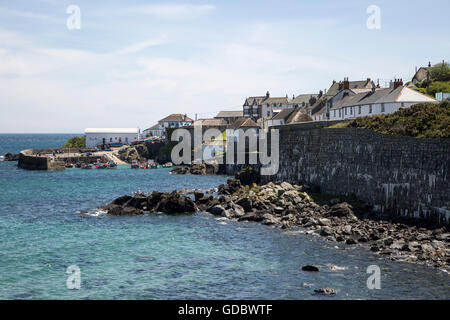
x,y
134,62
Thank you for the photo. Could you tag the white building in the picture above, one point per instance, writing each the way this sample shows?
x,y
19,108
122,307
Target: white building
x,y
112,136
175,120
156,131
377,101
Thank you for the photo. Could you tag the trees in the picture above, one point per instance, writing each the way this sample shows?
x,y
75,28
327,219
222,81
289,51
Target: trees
x,y
75,142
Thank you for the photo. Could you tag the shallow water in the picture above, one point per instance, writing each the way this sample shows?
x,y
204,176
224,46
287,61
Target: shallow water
x,y
167,257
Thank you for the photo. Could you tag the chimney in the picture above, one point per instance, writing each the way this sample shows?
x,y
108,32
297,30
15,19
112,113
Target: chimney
x,y
267,94
429,64
320,93
346,84
373,90
398,83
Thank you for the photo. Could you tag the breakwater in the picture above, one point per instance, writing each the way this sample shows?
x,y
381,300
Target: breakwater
x,y
402,175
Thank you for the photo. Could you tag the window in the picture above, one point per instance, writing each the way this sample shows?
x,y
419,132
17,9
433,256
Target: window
x,y
345,109
110,139
382,107
370,108
334,115
339,113
359,109
351,110
403,104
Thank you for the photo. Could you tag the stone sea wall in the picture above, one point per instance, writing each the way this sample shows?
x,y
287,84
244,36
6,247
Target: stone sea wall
x,y
402,175
28,160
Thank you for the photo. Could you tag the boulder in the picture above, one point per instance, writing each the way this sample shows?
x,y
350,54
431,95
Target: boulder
x,y
248,176
245,203
325,291
310,268
341,210
174,203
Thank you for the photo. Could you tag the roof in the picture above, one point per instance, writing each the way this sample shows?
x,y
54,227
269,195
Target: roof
x,y
209,122
385,95
304,98
299,115
283,114
111,130
360,84
230,114
258,99
243,123
283,100
177,117
421,74
155,127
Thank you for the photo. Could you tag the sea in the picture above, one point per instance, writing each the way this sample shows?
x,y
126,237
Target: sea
x,y
46,243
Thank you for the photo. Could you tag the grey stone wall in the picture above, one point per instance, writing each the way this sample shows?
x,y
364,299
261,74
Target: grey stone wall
x,y
404,175
32,162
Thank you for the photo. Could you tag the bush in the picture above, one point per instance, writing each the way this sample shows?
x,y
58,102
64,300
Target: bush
x,y
422,120
75,142
440,72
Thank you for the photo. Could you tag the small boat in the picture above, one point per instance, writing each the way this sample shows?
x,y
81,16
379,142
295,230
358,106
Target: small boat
x,y
87,166
112,165
134,165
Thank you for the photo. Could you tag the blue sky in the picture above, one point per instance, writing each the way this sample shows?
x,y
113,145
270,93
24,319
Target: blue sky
x,y
133,62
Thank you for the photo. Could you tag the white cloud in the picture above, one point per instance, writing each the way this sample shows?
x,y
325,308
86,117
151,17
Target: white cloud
x,y
30,15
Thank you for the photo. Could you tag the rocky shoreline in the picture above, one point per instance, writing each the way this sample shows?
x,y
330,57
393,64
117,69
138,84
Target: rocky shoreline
x,y
283,205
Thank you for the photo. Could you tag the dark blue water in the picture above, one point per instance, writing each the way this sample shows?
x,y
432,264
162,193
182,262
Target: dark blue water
x,y
166,257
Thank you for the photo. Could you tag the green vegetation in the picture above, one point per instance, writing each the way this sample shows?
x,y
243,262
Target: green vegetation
x,y
75,142
164,154
440,72
439,80
422,120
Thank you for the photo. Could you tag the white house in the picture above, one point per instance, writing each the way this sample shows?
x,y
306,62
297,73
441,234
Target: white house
x,y
116,136
377,101
156,131
175,120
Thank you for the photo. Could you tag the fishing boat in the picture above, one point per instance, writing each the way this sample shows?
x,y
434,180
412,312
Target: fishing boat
x,y
112,165
87,166
134,165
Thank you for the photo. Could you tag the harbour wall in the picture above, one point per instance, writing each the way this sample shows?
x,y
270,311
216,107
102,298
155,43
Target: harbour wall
x,y
402,175
30,161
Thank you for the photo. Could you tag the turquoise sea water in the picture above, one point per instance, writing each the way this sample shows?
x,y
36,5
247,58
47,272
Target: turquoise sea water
x,y
167,257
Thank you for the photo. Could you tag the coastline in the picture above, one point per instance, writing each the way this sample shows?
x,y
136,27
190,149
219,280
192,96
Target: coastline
x,y
286,206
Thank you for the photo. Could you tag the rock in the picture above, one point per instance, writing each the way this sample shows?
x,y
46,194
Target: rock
x,y
245,203
350,241
11,157
286,186
218,211
324,222
278,210
251,216
426,248
116,210
397,244
341,210
248,176
198,195
348,229
122,200
174,203
325,291
310,268
375,248
269,219
326,231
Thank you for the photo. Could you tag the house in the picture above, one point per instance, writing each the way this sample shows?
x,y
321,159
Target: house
x,y
377,101
279,118
244,124
229,116
271,103
214,147
156,131
112,136
299,115
252,106
421,74
304,100
175,120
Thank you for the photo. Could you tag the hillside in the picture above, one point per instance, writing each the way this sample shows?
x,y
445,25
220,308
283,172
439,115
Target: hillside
x,y
423,120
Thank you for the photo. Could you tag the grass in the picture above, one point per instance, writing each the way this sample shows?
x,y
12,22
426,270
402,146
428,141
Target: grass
x,y
422,120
